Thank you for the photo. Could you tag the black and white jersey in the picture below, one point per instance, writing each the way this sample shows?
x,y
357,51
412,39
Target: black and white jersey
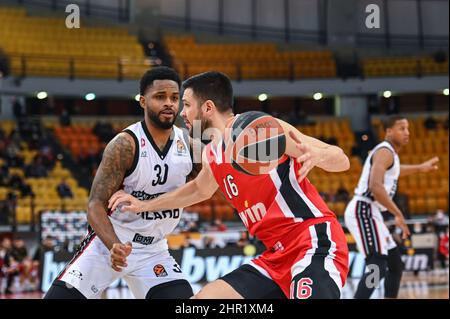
x,y
154,173
390,177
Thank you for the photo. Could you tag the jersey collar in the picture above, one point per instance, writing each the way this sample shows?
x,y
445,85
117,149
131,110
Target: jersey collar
x,y
162,154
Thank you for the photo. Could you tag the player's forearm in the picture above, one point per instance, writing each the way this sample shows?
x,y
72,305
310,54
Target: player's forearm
x,y
333,159
187,195
98,219
406,170
383,198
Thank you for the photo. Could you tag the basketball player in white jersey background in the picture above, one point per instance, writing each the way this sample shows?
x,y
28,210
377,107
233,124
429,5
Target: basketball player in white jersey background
x,y
147,159
373,195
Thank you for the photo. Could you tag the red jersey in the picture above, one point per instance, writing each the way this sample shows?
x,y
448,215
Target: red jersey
x,y
443,245
272,205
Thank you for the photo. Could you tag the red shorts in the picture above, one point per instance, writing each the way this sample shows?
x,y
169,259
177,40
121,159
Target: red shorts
x,y
309,263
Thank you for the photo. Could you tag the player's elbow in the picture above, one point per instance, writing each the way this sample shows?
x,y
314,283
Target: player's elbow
x,y
91,209
340,161
345,161
375,189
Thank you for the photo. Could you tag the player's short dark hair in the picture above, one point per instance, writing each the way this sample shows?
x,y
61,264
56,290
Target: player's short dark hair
x,y
390,121
158,73
214,86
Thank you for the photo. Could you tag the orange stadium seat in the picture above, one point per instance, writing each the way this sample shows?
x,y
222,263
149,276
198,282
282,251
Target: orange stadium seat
x,y
254,60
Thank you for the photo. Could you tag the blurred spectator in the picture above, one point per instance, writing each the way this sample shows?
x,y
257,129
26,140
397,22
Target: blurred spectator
x,y
4,64
443,249
12,156
2,147
104,131
440,222
219,225
5,252
342,194
4,175
22,265
4,213
64,118
25,190
243,239
36,168
11,204
192,227
418,228
209,242
19,251
19,109
12,261
16,183
63,189
430,123
47,245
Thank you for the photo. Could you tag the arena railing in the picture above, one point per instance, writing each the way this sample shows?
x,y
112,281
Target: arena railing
x,y
118,68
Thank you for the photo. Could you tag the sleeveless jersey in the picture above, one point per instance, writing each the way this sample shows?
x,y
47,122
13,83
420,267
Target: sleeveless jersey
x,y
390,177
273,205
154,173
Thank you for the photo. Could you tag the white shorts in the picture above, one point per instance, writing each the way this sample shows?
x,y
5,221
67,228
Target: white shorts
x,y
365,222
90,270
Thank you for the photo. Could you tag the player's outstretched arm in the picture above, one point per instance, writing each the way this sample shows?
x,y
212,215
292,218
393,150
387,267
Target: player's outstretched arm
x,y
425,167
197,190
312,152
381,161
117,159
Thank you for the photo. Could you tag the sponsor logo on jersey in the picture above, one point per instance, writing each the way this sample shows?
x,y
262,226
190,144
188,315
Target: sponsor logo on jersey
x,y
144,154
181,149
76,273
143,240
160,271
141,195
254,213
142,142
169,213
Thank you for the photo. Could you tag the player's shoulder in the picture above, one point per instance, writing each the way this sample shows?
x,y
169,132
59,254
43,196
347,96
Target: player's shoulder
x,y
384,147
133,127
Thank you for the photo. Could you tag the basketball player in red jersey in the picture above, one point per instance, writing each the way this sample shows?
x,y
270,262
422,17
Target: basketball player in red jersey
x,y
307,254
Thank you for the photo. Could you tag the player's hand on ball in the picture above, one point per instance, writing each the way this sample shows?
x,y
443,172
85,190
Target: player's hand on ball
x,y
125,202
119,253
430,165
309,158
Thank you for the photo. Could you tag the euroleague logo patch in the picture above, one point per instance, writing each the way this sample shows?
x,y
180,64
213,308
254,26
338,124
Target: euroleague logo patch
x,y
160,271
181,149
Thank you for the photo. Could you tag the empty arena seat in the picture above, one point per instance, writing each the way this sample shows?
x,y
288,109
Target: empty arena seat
x,y
43,46
247,60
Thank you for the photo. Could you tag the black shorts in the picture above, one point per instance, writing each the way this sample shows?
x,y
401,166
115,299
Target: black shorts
x,y
251,284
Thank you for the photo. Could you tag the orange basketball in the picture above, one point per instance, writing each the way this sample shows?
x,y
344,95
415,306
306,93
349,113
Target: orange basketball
x,y
255,143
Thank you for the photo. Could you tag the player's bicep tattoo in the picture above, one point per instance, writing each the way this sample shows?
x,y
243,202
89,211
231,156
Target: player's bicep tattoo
x,y
117,159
